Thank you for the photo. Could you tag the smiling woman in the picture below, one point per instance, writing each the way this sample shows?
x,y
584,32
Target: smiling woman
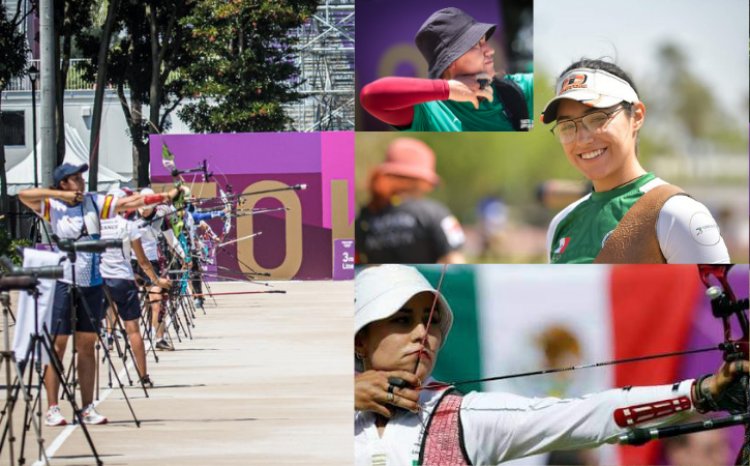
x,y
631,216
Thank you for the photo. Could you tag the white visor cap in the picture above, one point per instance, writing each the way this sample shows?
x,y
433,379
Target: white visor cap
x,y
595,88
380,291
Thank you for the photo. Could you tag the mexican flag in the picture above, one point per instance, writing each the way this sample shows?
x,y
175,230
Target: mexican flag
x,y
521,318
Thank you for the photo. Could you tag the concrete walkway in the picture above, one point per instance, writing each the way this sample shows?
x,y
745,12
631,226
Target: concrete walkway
x,y
266,379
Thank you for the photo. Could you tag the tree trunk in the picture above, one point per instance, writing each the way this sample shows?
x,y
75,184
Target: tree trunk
x,y
101,82
144,177
134,118
155,88
60,82
4,201
140,164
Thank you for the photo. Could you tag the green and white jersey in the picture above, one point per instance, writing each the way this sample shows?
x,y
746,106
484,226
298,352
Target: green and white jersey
x,y
686,230
447,115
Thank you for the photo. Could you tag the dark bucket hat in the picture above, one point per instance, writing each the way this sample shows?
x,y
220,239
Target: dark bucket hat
x,y
446,35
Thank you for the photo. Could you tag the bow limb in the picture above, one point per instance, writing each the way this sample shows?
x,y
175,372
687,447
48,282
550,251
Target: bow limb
x,y
724,305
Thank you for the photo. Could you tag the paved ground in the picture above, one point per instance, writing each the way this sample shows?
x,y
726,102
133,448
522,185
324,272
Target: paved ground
x,y
267,379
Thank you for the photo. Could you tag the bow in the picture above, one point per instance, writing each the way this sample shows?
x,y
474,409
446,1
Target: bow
x,y
227,218
725,306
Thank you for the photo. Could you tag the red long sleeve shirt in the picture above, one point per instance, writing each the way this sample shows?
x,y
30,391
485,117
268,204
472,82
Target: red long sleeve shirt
x,y
392,99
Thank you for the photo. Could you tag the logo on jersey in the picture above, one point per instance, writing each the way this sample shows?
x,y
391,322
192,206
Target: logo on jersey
x,y
562,245
574,81
704,229
453,231
606,237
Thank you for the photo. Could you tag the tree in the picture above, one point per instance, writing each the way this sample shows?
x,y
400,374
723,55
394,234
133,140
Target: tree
x,y
243,74
12,63
101,82
149,47
71,16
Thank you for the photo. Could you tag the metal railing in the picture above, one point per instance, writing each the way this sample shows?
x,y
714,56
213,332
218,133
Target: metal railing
x,y
74,82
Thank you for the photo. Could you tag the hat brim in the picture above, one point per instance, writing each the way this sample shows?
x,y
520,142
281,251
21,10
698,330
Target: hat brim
x,y
82,168
388,168
584,96
460,46
394,299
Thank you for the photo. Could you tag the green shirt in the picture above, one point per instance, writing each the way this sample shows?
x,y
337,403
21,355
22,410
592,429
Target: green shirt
x,y
447,115
579,231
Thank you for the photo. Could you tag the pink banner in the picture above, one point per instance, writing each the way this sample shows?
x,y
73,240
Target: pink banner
x,y
296,241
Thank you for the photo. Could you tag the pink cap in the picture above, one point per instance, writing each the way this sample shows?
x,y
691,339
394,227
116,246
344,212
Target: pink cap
x,y
411,158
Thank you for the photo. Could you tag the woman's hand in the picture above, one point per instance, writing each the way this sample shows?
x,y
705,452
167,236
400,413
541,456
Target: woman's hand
x,y
163,283
726,375
371,392
466,88
724,390
69,197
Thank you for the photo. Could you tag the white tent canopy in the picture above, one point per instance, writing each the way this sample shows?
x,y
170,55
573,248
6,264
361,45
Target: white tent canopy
x,y
21,176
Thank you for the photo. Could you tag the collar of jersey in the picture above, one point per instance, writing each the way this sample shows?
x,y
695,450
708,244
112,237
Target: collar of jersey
x,y
613,193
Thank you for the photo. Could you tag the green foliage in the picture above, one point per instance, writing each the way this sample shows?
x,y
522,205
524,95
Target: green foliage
x,y
12,48
130,55
8,246
244,66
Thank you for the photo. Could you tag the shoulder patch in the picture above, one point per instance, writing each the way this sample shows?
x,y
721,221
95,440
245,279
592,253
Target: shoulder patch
x,y
108,209
46,209
704,229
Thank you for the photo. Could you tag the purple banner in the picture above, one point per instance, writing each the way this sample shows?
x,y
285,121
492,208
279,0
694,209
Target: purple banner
x,y
296,240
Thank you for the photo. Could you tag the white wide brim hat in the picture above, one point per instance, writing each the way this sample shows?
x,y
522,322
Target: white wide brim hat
x,y
380,291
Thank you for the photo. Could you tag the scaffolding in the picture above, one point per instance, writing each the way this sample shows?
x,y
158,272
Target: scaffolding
x,y
325,57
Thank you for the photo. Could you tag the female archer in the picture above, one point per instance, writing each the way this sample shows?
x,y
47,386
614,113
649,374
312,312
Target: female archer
x,y
404,416
632,216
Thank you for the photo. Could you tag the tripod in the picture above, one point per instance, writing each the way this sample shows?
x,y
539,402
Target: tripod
x,y
32,358
8,358
126,350
74,292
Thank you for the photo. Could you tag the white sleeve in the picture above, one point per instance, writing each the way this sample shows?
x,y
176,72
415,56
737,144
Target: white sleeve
x,y
173,243
499,426
688,233
133,231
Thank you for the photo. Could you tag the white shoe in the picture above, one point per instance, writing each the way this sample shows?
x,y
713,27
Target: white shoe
x,y
90,416
54,417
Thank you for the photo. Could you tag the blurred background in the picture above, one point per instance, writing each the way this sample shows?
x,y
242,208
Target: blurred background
x,y
689,61
385,40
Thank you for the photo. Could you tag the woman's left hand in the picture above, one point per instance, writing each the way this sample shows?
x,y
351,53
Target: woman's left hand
x,y
726,375
726,390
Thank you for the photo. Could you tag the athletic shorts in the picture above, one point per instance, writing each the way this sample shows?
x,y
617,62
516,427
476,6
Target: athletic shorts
x,y
142,275
89,311
125,295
